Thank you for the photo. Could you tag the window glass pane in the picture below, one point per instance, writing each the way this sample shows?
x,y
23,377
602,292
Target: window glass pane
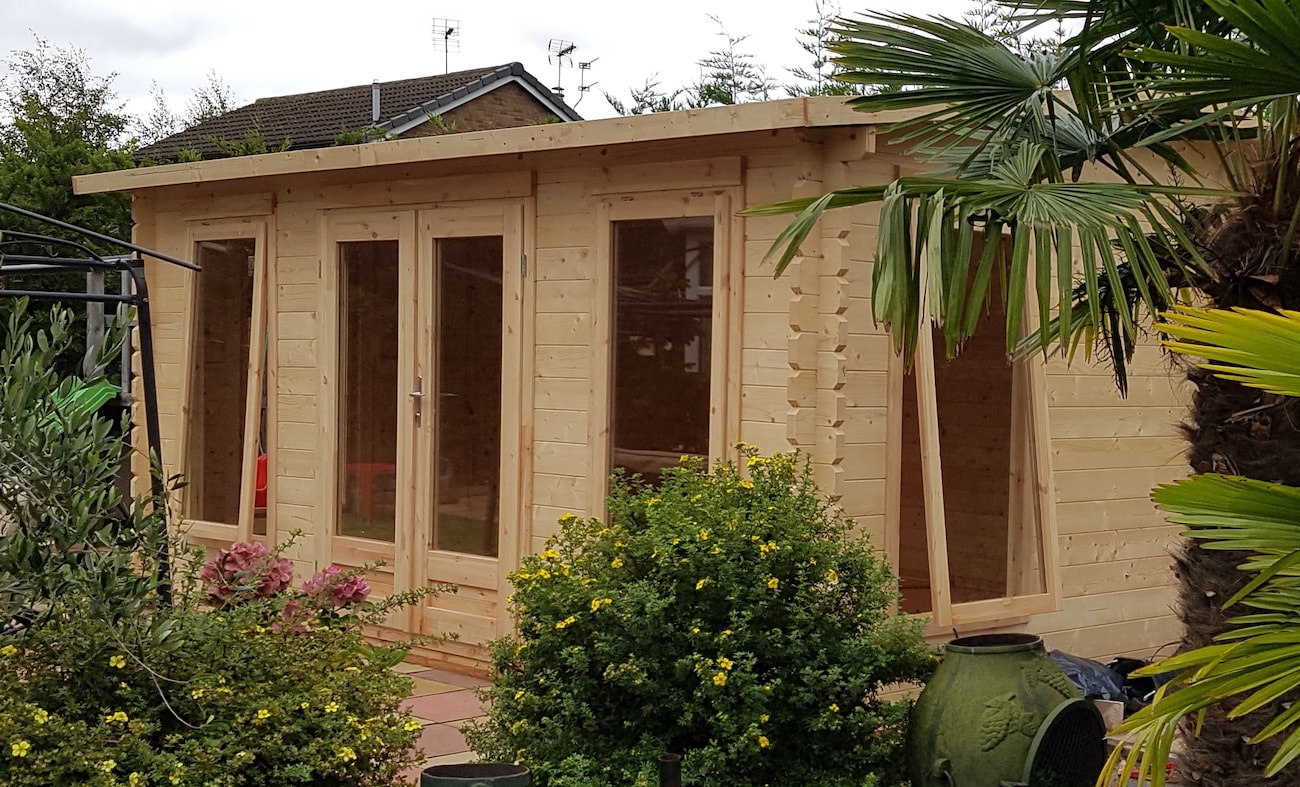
x,y
368,372
223,326
662,342
468,432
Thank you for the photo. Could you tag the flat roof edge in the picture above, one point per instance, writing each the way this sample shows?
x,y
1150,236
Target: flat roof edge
x,y
809,112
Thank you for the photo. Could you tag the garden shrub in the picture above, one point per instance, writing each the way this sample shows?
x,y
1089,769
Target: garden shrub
x,y
238,681
730,615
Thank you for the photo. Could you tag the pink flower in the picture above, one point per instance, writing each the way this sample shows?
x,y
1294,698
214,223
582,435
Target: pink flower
x,y
245,570
333,588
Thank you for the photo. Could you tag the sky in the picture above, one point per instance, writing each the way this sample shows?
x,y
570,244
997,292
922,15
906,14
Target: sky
x,y
265,48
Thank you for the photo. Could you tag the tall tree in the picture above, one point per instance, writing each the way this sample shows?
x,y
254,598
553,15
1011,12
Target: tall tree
x,y
1053,147
730,75
59,119
819,78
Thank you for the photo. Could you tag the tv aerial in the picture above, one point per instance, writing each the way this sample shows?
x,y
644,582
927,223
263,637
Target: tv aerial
x,y
561,56
446,37
583,85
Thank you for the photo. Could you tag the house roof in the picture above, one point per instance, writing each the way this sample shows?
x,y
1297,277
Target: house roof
x,y
768,116
313,120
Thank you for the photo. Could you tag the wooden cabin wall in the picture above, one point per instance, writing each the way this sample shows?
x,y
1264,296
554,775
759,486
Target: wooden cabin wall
x,y
1117,583
815,372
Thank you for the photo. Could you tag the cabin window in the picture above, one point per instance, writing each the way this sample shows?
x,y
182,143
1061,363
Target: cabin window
x,y
662,342
974,511
221,467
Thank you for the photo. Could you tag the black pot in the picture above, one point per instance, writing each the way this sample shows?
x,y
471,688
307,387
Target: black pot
x,y
477,774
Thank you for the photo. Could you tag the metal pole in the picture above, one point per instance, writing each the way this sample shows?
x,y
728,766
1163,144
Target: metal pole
x,y
94,320
153,434
98,236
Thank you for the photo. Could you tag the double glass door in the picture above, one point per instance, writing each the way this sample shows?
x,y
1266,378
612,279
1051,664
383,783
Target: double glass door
x,y
426,429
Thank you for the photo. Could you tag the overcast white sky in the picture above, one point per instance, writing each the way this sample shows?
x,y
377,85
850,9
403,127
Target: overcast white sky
x,y
275,47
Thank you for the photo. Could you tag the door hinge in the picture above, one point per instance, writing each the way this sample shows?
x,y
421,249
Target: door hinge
x,y
523,265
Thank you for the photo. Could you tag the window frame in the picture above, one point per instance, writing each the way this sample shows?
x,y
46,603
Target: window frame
x,y
728,292
1029,405
258,363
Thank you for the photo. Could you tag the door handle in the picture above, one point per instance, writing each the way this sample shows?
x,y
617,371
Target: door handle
x,y
418,396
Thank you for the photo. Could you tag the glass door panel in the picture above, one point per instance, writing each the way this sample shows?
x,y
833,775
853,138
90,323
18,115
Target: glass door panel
x,y
369,274
467,438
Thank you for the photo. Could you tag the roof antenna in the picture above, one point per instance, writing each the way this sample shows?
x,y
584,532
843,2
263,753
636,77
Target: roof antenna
x,y
446,36
560,57
583,87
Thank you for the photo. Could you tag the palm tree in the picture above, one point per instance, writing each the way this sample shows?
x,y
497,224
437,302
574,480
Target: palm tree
x,y
1023,137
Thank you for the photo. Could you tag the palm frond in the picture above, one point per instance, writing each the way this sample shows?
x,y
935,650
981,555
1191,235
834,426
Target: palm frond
x,y
937,217
1254,348
1255,664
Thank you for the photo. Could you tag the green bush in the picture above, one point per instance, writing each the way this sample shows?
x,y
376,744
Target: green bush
x,y
238,682
729,616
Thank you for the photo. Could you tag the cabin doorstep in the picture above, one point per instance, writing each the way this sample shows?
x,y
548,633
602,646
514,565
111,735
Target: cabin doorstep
x,y
426,351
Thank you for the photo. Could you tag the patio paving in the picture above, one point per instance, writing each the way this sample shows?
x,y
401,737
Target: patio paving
x,y
442,701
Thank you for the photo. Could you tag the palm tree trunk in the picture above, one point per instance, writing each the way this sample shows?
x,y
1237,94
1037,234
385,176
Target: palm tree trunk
x,y
1240,431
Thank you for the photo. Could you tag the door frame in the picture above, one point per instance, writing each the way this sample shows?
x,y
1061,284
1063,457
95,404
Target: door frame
x,y
360,226
506,219
413,563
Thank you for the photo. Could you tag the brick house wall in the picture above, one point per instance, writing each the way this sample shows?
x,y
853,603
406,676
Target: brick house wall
x,y
506,106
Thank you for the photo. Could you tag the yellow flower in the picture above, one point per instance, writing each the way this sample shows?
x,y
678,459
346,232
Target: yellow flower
x,y
351,669
175,777
700,585
773,583
831,576
654,501
332,707
107,765
704,535
746,484
347,754
135,780
717,550
727,633
568,517
720,679
40,716
762,742
763,719
726,663
197,693
117,662
550,554
305,705
8,650
569,621
19,748
118,716
835,708
263,714
412,725
616,563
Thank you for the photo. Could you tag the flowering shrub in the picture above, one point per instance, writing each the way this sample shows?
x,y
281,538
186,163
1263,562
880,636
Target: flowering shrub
x,y
268,690
104,684
727,615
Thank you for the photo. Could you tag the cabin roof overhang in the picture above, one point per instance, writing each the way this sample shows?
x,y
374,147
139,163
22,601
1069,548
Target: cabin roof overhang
x,y
795,113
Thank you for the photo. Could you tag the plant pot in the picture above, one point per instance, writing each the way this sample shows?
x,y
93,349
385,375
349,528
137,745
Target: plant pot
x,y
477,774
999,713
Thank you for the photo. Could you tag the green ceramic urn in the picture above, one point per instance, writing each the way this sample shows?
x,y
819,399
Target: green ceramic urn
x,y
998,713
